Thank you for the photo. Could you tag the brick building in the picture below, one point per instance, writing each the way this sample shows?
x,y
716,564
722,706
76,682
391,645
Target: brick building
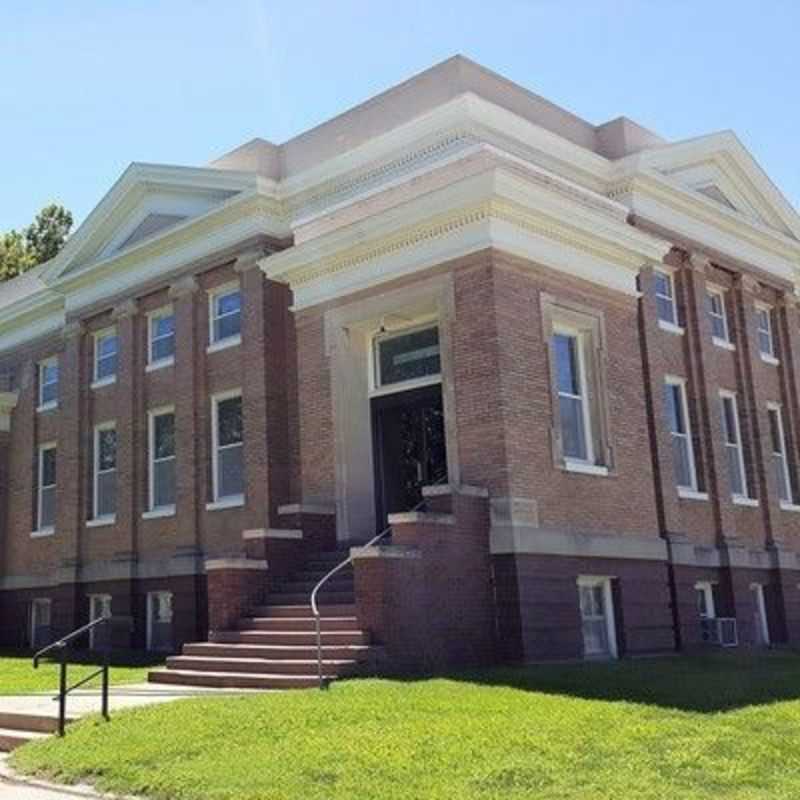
x,y
560,360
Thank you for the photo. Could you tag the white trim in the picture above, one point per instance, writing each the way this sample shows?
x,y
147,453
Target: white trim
x,y
107,519
43,533
160,313
108,381
152,414
707,587
691,489
218,502
591,581
213,295
584,468
739,500
743,499
51,406
771,360
98,381
46,446
671,327
44,364
691,494
768,356
159,513
668,324
725,345
719,341
775,408
789,506
224,344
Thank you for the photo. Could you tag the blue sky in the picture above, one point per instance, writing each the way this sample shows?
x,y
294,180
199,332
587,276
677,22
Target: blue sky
x,y
87,87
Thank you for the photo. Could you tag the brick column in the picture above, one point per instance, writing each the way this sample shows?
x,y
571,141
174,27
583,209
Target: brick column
x,y
235,585
787,332
8,400
72,465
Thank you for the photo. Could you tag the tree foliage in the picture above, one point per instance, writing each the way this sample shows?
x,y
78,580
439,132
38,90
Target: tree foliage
x,y
39,242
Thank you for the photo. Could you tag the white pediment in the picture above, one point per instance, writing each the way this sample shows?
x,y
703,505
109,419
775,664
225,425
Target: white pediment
x,y
147,202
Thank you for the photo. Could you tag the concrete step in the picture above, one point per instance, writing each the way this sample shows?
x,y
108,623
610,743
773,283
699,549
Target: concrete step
x,y
262,666
12,738
290,637
30,722
304,610
345,652
233,680
301,598
297,624
316,575
335,585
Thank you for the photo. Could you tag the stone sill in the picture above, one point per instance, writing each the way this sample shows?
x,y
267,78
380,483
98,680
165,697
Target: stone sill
x,y
385,551
163,364
224,344
789,506
101,382
159,513
671,327
421,517
691,494
45,407
43,533
226,502
306,508
582,468
101,522
749,502
272,533
768,359
723,343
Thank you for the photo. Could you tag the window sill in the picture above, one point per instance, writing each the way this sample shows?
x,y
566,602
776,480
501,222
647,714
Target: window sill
x,y
45,407
750,502
789,506
723,343
691,494
224,344
237,501
157,365
99,384
43,533
159,513
101,522
768,359
583,468
671,327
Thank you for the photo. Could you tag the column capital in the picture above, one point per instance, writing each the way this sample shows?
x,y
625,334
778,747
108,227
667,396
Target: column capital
x,y
698,261
182,287
8,402
73,329
128,308
748,283
249,259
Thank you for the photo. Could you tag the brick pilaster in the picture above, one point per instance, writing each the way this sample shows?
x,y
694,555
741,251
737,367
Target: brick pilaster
x,y
8,401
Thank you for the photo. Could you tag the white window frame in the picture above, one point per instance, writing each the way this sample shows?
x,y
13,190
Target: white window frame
x,y
38,602
104,599
154,316
691,490
376,385
775,408
97,381
571,463
768,357
47,405
107,519
723,341
707,588
43,530
152,509
230,501
603,581
150,597
673,325
214,294
743,498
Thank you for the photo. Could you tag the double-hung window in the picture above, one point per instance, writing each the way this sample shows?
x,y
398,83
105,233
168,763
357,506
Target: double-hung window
x,y
573,405
666,307
99,607
161,338
159,621
717,314
105,472
162,460
780,464
46,494
766,339
597,617
225,316
733,445
677,412
227,448
48,384
106,347
41,632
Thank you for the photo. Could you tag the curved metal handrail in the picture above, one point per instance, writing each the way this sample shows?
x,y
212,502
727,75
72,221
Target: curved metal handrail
x,y
61,643
349,560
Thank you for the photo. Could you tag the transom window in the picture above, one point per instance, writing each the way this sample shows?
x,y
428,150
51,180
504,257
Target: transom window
x,y
105,471
766,342
225,315
715,299
665,297
106,346
574,417
228,447
780,464
407,357
161,332
597,617
162,460
48,384
733,445
46,500
679,427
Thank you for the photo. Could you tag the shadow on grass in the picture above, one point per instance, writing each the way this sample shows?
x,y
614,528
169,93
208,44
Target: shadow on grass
x,y
704,683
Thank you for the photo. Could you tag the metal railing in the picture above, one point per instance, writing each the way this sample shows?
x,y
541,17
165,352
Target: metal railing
x,y
349,560
60,647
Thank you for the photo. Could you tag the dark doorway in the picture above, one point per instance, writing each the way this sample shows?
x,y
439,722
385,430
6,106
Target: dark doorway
x,y
409,447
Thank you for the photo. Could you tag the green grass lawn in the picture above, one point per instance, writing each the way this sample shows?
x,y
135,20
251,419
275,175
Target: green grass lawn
x,y
17,675
714,727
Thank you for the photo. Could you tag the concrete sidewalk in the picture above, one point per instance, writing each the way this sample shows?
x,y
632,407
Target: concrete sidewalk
x,y
15,788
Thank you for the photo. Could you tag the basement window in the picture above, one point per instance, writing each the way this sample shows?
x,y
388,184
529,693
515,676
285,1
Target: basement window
x,y
159,621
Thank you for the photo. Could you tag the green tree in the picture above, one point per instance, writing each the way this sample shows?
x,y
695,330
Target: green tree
x,y
39,242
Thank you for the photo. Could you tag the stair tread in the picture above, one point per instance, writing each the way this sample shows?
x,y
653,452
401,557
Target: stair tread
x,y
222,645
277,662
309,618
202,674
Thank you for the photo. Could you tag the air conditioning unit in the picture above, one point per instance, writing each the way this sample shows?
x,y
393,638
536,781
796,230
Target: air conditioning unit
x,y
720,631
